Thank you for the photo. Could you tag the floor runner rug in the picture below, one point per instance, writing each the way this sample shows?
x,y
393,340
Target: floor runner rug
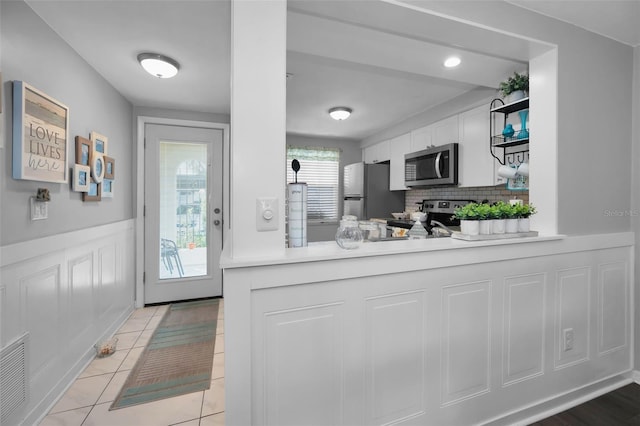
x,y
178,358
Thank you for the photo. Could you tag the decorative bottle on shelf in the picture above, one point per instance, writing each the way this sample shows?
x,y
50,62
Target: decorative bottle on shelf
x,y
508,132
523,133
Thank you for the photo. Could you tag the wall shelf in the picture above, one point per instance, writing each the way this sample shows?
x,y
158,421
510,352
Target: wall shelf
x,y
514,148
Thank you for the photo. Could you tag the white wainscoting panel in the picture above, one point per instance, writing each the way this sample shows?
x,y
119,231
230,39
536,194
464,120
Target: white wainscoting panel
x,y
466,345
304,346
612,307
395,357
67,291
523,328
573,313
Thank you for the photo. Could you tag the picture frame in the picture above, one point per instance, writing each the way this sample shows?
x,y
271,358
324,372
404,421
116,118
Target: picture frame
x,y
100,143
97,167
94,193
107,188
81,178
84,151
109,167
40,136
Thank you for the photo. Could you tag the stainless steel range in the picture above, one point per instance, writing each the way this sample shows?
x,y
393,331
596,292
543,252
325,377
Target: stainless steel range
x,y
440,211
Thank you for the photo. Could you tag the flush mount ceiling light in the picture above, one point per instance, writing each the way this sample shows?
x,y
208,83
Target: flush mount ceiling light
x,y
158,65
452,62
340,113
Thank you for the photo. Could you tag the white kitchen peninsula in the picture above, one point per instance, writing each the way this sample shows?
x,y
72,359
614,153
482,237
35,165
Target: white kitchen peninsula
x,y
432,332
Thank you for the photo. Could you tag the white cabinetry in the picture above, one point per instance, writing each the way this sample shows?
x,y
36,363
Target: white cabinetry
x,y
399,146
376,153
421,138
476,164
445,131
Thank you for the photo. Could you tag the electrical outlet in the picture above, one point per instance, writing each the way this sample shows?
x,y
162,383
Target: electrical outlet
x,y
39,209
567,339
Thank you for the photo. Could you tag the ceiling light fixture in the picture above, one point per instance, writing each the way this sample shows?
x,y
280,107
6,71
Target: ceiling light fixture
x,y
452,62
340,113
159,65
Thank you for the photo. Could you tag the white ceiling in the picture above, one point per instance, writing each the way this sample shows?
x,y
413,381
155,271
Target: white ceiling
x,y
382,60
616,19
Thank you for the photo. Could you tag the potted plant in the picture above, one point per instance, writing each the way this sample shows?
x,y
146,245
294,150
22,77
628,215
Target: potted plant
x,y
499,212
511,218
514,87
468,217
485,218
524,212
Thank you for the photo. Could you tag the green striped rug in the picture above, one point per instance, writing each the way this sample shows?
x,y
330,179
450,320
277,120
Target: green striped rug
x,y
179,357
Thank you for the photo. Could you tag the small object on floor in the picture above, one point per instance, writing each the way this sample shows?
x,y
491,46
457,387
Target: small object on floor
x,y
106,347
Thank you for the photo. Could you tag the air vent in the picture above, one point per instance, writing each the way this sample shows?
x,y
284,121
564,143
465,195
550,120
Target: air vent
x,y
13,377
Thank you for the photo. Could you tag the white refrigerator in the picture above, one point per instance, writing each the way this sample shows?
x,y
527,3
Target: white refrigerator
x,y
366,192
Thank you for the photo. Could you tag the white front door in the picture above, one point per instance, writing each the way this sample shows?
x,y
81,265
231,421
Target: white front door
x,y
183,213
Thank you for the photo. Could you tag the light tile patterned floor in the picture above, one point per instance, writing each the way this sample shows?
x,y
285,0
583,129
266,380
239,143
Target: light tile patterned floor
x,y
87,401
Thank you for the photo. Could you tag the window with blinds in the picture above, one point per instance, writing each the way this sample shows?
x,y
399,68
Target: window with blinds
x,y
320,170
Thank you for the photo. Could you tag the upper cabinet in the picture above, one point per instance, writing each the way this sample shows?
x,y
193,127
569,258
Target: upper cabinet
x,y
439,133
445,131
476,165
421,138
377,153
399,146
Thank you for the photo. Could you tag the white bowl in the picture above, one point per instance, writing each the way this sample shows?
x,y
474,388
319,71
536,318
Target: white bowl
x,y
399,215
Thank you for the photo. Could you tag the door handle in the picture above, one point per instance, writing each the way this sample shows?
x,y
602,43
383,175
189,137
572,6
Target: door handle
x,y
216,222
216,210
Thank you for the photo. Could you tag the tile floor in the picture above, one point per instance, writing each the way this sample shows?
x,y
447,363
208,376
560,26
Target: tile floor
x,y
87,401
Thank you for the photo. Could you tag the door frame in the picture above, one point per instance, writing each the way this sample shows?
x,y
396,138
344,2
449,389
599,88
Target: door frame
x,y
142,121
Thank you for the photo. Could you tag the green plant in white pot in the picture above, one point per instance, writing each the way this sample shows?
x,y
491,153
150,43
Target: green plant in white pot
x,y
524,212
515,87
499,213
486,220
511,218
468,217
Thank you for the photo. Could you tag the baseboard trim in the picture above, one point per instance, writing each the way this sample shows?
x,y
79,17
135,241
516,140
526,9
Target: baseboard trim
x,y
635,376
40,411
564,402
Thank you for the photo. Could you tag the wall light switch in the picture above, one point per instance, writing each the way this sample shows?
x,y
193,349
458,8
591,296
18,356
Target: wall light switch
x,y
267,214
39,209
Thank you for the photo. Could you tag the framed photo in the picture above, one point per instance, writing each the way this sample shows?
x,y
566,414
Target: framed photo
x,y
100,143
94,193
107,188
97,167
81,178
109,167
40,136
84,151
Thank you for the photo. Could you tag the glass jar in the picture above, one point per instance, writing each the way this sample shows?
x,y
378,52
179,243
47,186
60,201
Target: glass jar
x,y
349,235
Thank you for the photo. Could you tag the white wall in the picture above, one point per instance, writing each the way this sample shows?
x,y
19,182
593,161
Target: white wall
x,y
350,152
594,112
34,53
258,108
67,292
635,187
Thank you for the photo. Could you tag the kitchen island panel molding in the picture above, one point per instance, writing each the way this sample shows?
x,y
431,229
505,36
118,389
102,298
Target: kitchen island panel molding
x,y
573,303
445,312
395,390
523,327
613,327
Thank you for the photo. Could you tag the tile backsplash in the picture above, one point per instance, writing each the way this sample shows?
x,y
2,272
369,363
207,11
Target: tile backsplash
x,y
479,194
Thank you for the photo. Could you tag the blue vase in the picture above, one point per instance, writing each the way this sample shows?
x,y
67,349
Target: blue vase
x,y
508,131
523,133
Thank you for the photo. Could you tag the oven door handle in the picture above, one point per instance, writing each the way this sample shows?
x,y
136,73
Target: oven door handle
x,y
439,165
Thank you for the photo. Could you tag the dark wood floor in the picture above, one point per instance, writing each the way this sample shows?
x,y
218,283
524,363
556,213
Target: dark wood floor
x,y
620,407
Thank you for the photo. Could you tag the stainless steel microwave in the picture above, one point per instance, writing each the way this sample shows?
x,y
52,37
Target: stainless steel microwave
x,y
432,167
